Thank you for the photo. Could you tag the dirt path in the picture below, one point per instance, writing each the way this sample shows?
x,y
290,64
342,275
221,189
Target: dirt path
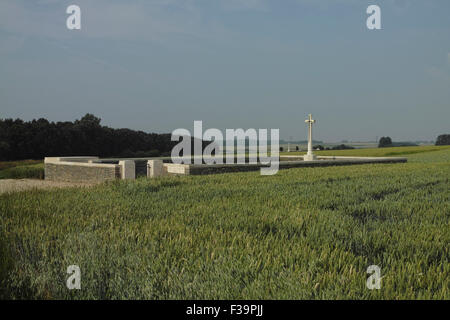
x,y
13,185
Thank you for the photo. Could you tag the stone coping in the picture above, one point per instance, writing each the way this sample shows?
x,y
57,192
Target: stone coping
x,y
70,159
80,164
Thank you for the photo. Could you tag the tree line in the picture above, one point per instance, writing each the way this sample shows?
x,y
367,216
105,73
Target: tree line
x,y
41,138
442,140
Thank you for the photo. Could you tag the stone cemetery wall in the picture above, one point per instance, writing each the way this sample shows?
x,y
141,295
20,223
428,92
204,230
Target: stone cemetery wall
x,y
288,163
78,171
222,168
92,169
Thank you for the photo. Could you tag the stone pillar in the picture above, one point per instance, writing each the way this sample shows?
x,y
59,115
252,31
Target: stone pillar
x,y
154,168
127,169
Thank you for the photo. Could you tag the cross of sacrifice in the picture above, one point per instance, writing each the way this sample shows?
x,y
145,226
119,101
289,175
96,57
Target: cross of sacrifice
x,y
310,156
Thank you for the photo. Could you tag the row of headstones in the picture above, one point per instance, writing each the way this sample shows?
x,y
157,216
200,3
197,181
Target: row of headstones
x,y
155,168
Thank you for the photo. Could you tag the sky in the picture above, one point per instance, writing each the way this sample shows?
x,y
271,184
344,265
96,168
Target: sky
x,y
158,65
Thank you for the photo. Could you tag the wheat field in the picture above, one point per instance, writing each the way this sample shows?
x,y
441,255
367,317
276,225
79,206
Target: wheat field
x,y
305,233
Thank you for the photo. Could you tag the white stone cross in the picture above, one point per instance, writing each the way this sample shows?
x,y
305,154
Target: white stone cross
x,y
310,156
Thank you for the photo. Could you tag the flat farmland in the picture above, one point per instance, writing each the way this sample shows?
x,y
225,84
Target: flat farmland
x,y
304,233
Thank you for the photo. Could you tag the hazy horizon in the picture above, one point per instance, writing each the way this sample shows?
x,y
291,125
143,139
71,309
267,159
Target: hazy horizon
x,y
160,65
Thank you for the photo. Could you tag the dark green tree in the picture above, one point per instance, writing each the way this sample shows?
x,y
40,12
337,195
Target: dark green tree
x,y
443,140
385,142
318,147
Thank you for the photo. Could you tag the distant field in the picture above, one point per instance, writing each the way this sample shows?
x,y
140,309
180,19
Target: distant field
x,y
11,164
33,169
304,146
376,152
305,233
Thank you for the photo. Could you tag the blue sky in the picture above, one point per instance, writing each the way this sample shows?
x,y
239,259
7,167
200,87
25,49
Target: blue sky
x,y
159,65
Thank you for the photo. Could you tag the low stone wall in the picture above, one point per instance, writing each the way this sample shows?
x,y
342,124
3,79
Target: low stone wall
x,y
173,169
199,169
64,169
321,162
71,173
92,169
